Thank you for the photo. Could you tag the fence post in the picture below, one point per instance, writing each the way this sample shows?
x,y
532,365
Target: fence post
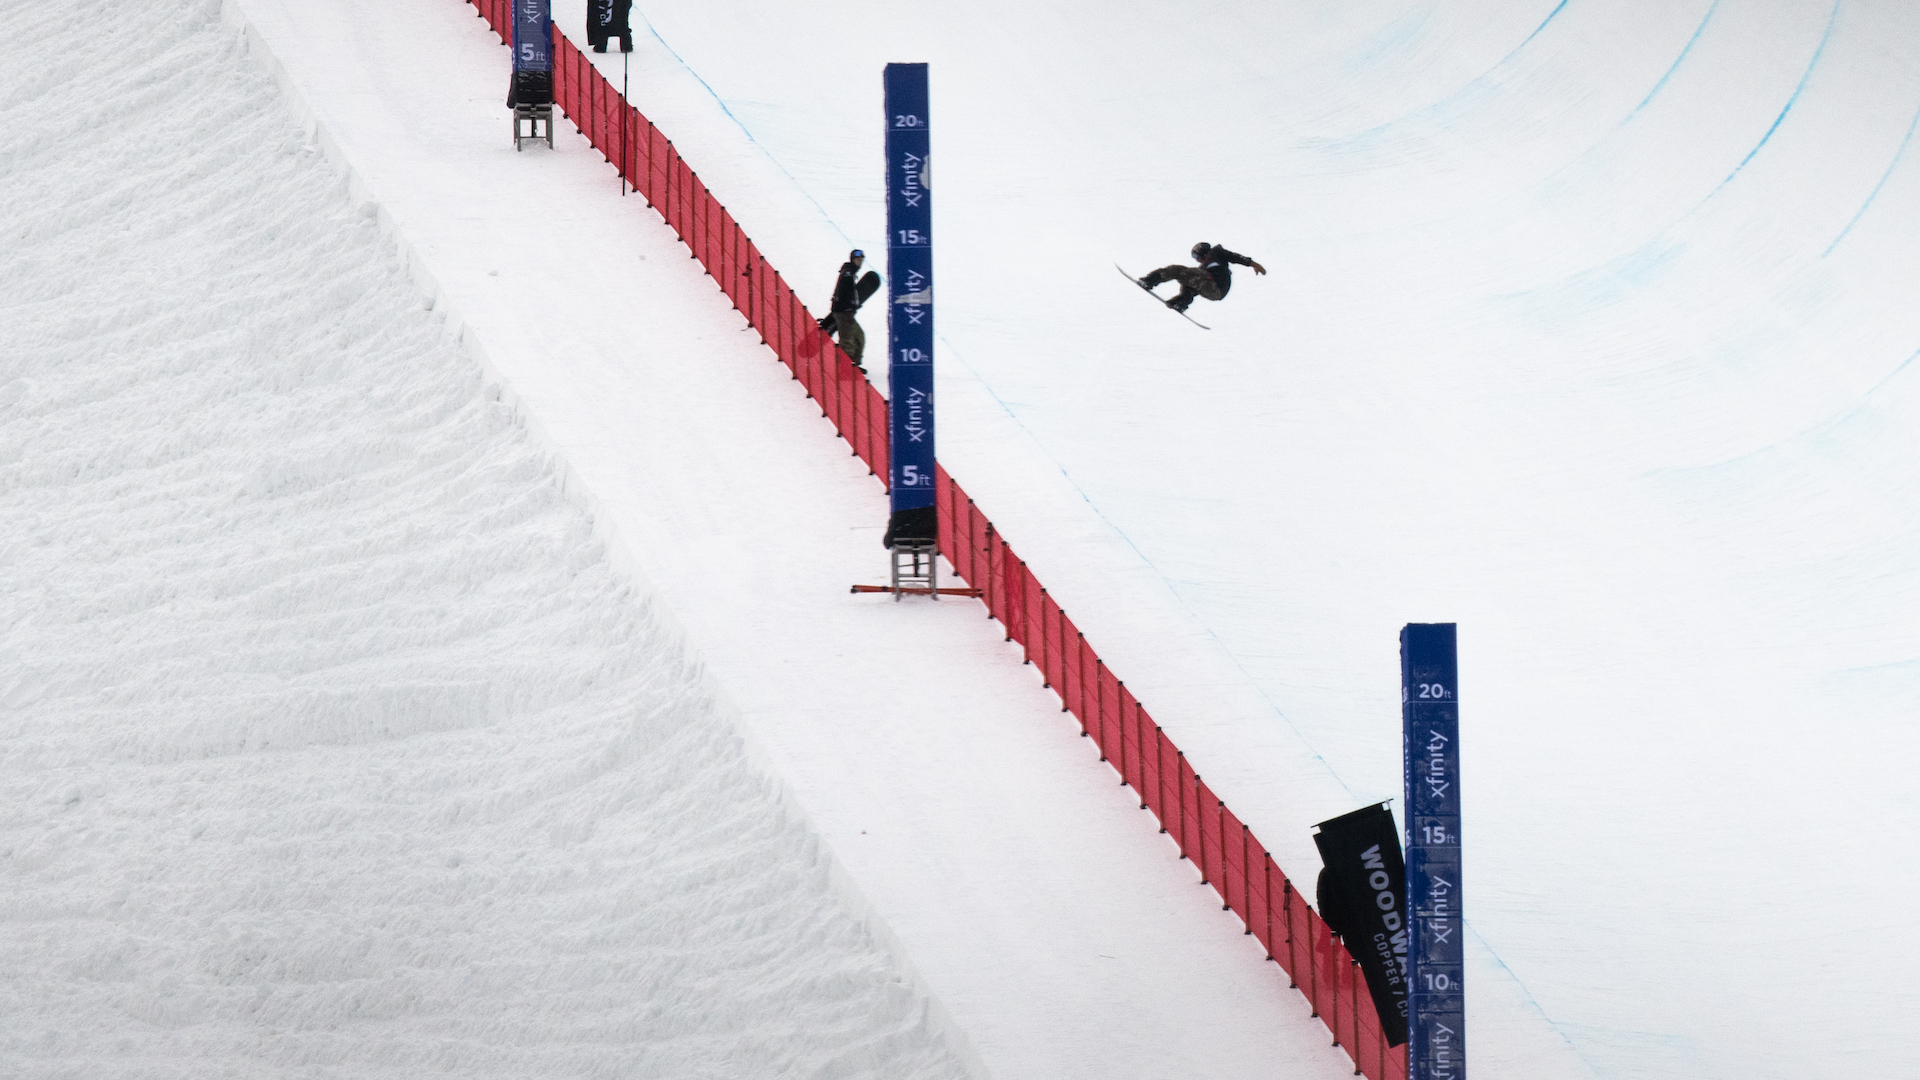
x,y
753,288
1079,654
1293,961
1046,680
1226,879
1058,655
1160,775
1099,697
1180,797
990,576
863,435
790,346
1313,972
1333,1022
690,221
730,258
1246,877
1035,616
1119,699
794,359
979,581
1353,1008
1266,889
1380,1053
1139,754
1203,828
1080,672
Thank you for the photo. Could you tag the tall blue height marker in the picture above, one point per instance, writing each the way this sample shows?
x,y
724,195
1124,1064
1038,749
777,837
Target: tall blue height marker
x,y
532,40
1430,722
909,304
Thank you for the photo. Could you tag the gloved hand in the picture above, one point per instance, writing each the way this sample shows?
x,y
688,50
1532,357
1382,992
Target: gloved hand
x,y
826,323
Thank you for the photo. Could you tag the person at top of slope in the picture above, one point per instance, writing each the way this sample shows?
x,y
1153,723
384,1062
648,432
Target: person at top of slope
x,y
607,20
1211,279
848,296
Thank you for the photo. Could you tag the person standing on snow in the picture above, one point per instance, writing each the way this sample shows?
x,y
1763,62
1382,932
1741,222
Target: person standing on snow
x,y
846,301
608,19
1211,279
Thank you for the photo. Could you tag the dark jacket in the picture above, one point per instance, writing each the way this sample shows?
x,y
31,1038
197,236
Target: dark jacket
x,y
1333,904
845,295
1219,266
608,18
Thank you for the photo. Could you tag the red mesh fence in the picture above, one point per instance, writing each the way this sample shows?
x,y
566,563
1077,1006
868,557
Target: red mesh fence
x,y
1222,848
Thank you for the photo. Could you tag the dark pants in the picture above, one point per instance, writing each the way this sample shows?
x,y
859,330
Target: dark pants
x,y
853,340
606,20
1193,280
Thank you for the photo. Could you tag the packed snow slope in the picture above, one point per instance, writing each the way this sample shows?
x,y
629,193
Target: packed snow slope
x,y
386,639
1590,326
331,744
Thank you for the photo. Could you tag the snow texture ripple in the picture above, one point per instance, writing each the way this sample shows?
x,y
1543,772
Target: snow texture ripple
x,y
330,742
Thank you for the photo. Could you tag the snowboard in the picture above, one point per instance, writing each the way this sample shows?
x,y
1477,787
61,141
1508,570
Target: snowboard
x,y
1163,303
863,289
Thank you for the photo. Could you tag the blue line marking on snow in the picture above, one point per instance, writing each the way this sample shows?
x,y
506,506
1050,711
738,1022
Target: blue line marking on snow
x,y
1677,61
1832,18
1814,432
1428,110
744,130
1551,15
1891,375
1875,193
1531,1000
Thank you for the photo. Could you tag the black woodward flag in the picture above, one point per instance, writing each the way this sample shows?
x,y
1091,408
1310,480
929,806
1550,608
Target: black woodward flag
x,y
1363,898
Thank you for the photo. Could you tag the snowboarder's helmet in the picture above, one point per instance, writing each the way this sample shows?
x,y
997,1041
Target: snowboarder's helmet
x,y
856,253
1200,249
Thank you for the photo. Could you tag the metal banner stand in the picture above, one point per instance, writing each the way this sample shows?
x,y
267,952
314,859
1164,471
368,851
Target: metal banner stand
x,y
913,522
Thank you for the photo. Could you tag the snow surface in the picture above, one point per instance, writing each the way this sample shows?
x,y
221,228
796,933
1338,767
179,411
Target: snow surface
x,y
1589,327
400,649
333,743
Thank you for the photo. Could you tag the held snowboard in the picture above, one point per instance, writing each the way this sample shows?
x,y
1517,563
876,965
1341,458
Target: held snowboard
x,y
1149,292
863,289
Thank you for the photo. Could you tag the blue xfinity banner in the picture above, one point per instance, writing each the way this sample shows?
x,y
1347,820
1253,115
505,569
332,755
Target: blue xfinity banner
x,y
910,297
532,40
1430,719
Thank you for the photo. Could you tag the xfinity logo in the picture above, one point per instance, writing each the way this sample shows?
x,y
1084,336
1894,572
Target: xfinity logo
x,y
916,179
916,298
1436,764
918,404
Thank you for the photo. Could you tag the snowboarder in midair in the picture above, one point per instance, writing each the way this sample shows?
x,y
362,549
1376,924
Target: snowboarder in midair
x,y
1211,279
